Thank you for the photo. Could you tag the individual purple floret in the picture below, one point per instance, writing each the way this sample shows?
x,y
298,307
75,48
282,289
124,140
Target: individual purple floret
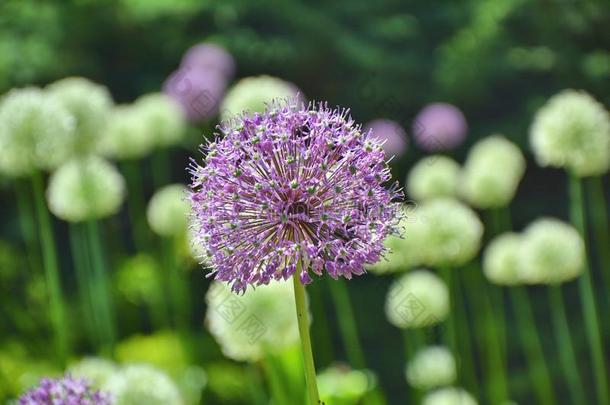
x,y
209,57
295,185
391,133
64,391
439,126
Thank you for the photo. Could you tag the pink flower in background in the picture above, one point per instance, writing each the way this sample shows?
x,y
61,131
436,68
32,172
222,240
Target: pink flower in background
x,y
439,126
209,57
390,132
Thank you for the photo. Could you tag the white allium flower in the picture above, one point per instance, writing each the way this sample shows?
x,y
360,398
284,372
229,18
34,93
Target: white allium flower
x,y
417,299
90,104
34,132
340,383
448,232
164,118
449,396
552,252
97,370
253,93
83,189
572,130
501,260
432,177
139,384
259,321
492,172
167,211
431,367
127,134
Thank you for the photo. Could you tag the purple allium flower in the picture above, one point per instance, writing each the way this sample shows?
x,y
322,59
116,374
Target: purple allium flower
x,y
439,126
293,185
64,391
209,57
392,133
198,92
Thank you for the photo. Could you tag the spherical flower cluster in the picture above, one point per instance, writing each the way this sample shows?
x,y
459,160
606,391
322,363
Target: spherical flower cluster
x,y
253,94
90,104
142,384
449,396
431,367
439,126
209,57
448,232
34,132
391,133
416,300
64,391
572,130
343,385
83,189
248,326
163,117
501,260
94,369
433,177
127,134
492,172
167,211
552,252
293,186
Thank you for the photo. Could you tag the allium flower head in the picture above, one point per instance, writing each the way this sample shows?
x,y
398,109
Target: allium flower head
x,y
253,94
552,252
433,177
83,189
416,300
432,366
492,172
501,260
439,126
449,396
572,130
167,211
127,134
449,232
34,132
163,117
391,133
341,385
90,104
209,57
139,384
292,185
94,369
248,326
64,391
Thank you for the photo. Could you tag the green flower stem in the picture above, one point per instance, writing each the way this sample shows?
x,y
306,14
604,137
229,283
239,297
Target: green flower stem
x,y
303,321
465,355
257,394
414,339
537,365
449,326
567,355
277,384
178,286
347,323
51,268
24,211
600,225
161,167
101,286
587,297
136,205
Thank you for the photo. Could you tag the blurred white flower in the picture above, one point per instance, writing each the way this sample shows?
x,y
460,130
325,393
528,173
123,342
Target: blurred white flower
x,y
417,299
139,384
432,366
449,396
127,135
167,211
96,370
501,260
572,130
341,385
83,189
165,121
432,177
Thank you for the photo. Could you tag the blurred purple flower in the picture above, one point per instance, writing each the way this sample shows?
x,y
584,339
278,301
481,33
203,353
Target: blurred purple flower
x,y
209,57
292,186
392,133
439,126
199,92
64,391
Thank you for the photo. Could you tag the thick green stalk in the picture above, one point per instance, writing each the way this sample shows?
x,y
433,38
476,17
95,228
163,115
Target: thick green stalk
x,y
277,384
51,268
566,352
466,358
498,387
587,297
136,205
178,287
303,321
600,226
347,323
534,355
449,326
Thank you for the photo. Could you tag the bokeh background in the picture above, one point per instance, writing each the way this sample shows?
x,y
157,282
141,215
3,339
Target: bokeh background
x,y
498,62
